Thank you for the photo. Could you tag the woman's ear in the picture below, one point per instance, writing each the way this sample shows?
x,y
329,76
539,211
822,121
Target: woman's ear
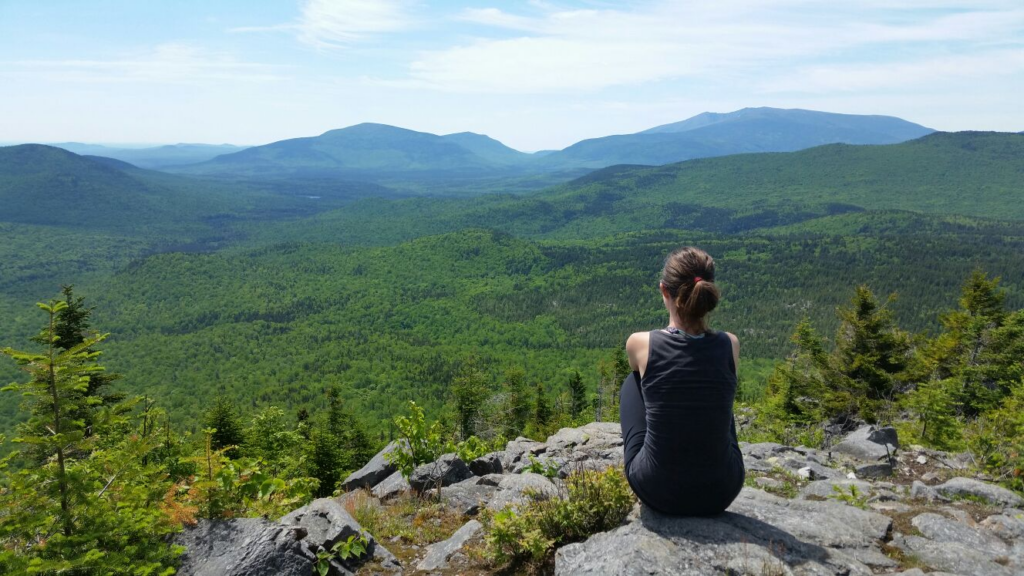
x,y
664,291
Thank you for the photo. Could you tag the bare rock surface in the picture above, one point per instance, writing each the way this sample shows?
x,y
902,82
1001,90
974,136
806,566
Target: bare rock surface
x,y
391,486
444,471
377,469
438,554
760,534
970,488
243,547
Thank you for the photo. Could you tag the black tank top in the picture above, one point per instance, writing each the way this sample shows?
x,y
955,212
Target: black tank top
x,y
690,462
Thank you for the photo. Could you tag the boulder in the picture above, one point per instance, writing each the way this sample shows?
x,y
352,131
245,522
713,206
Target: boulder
x,y
941,529
971,488
519,450
760,534
444,471
954,557
376,470
391,486
516,489
869,444
438,554
1007,526
325,521
244,547
922,491
467,496
877,470
487,464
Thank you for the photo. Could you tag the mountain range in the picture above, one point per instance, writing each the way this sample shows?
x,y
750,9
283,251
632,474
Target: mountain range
x,y
378,152
156,157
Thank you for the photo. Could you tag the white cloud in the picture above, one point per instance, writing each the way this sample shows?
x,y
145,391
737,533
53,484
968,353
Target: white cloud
x,y
925,72
560,50
339,23
171,63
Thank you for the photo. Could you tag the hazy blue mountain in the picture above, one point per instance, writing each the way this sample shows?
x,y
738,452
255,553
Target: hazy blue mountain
x,y
748,130
364,150
156,157
383,153
488,148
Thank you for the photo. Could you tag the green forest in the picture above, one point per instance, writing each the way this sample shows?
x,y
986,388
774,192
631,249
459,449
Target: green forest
x,y
215,348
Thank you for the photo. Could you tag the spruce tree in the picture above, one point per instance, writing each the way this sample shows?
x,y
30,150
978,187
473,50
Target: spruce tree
x,y
52,396
227,428
468,394
871,353
542,407
577,395
516,406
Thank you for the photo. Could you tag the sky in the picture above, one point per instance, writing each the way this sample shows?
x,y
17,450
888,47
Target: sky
x,y
536,74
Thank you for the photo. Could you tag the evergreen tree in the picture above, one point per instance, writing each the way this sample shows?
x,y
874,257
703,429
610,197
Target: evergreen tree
x,y
468,394
226,424
970,350
797,392
516,408
322,459
577,395
542,407
355,445
871,354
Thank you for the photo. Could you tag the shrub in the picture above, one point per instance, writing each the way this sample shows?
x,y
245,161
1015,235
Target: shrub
x,y
593,502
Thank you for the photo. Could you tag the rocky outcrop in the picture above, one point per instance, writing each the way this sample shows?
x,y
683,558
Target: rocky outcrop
x,y
377,469
969,488
760,534
869,444
244,547
438,554
256,546
805,512
444,471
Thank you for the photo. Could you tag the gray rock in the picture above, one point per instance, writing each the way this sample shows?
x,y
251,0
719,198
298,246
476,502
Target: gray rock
x,y
969,487
878,470
516,489
325,521
467,496
489,480
763,450
376,470
391,486
243,547
815,471
953,557
922,491
440,553
760,534
1007,526
869,444
444,471
519,449
487,464
941,529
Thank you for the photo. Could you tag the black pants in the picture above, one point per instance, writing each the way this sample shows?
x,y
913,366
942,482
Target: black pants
x,y
633,417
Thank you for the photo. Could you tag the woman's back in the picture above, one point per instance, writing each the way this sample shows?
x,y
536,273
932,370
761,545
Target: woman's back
x,y
679,438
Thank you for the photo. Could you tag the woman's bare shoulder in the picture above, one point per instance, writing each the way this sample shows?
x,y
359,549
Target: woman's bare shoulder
x,y
637,339
735,340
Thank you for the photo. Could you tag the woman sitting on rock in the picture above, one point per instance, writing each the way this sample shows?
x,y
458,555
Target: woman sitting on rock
x,y
678,432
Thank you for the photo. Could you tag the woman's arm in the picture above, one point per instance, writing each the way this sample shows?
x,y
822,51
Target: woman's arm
x,y
638,347
735,350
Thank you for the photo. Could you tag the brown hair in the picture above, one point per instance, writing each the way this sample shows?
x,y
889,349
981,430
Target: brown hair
x,y
689,277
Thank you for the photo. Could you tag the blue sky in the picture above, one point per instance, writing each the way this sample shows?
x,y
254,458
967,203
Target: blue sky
x,y
536,74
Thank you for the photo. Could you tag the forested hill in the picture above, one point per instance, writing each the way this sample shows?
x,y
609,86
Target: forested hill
x,y
943,175
367,150
744,131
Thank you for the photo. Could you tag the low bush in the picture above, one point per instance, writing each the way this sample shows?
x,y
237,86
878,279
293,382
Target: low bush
x,y
592,502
